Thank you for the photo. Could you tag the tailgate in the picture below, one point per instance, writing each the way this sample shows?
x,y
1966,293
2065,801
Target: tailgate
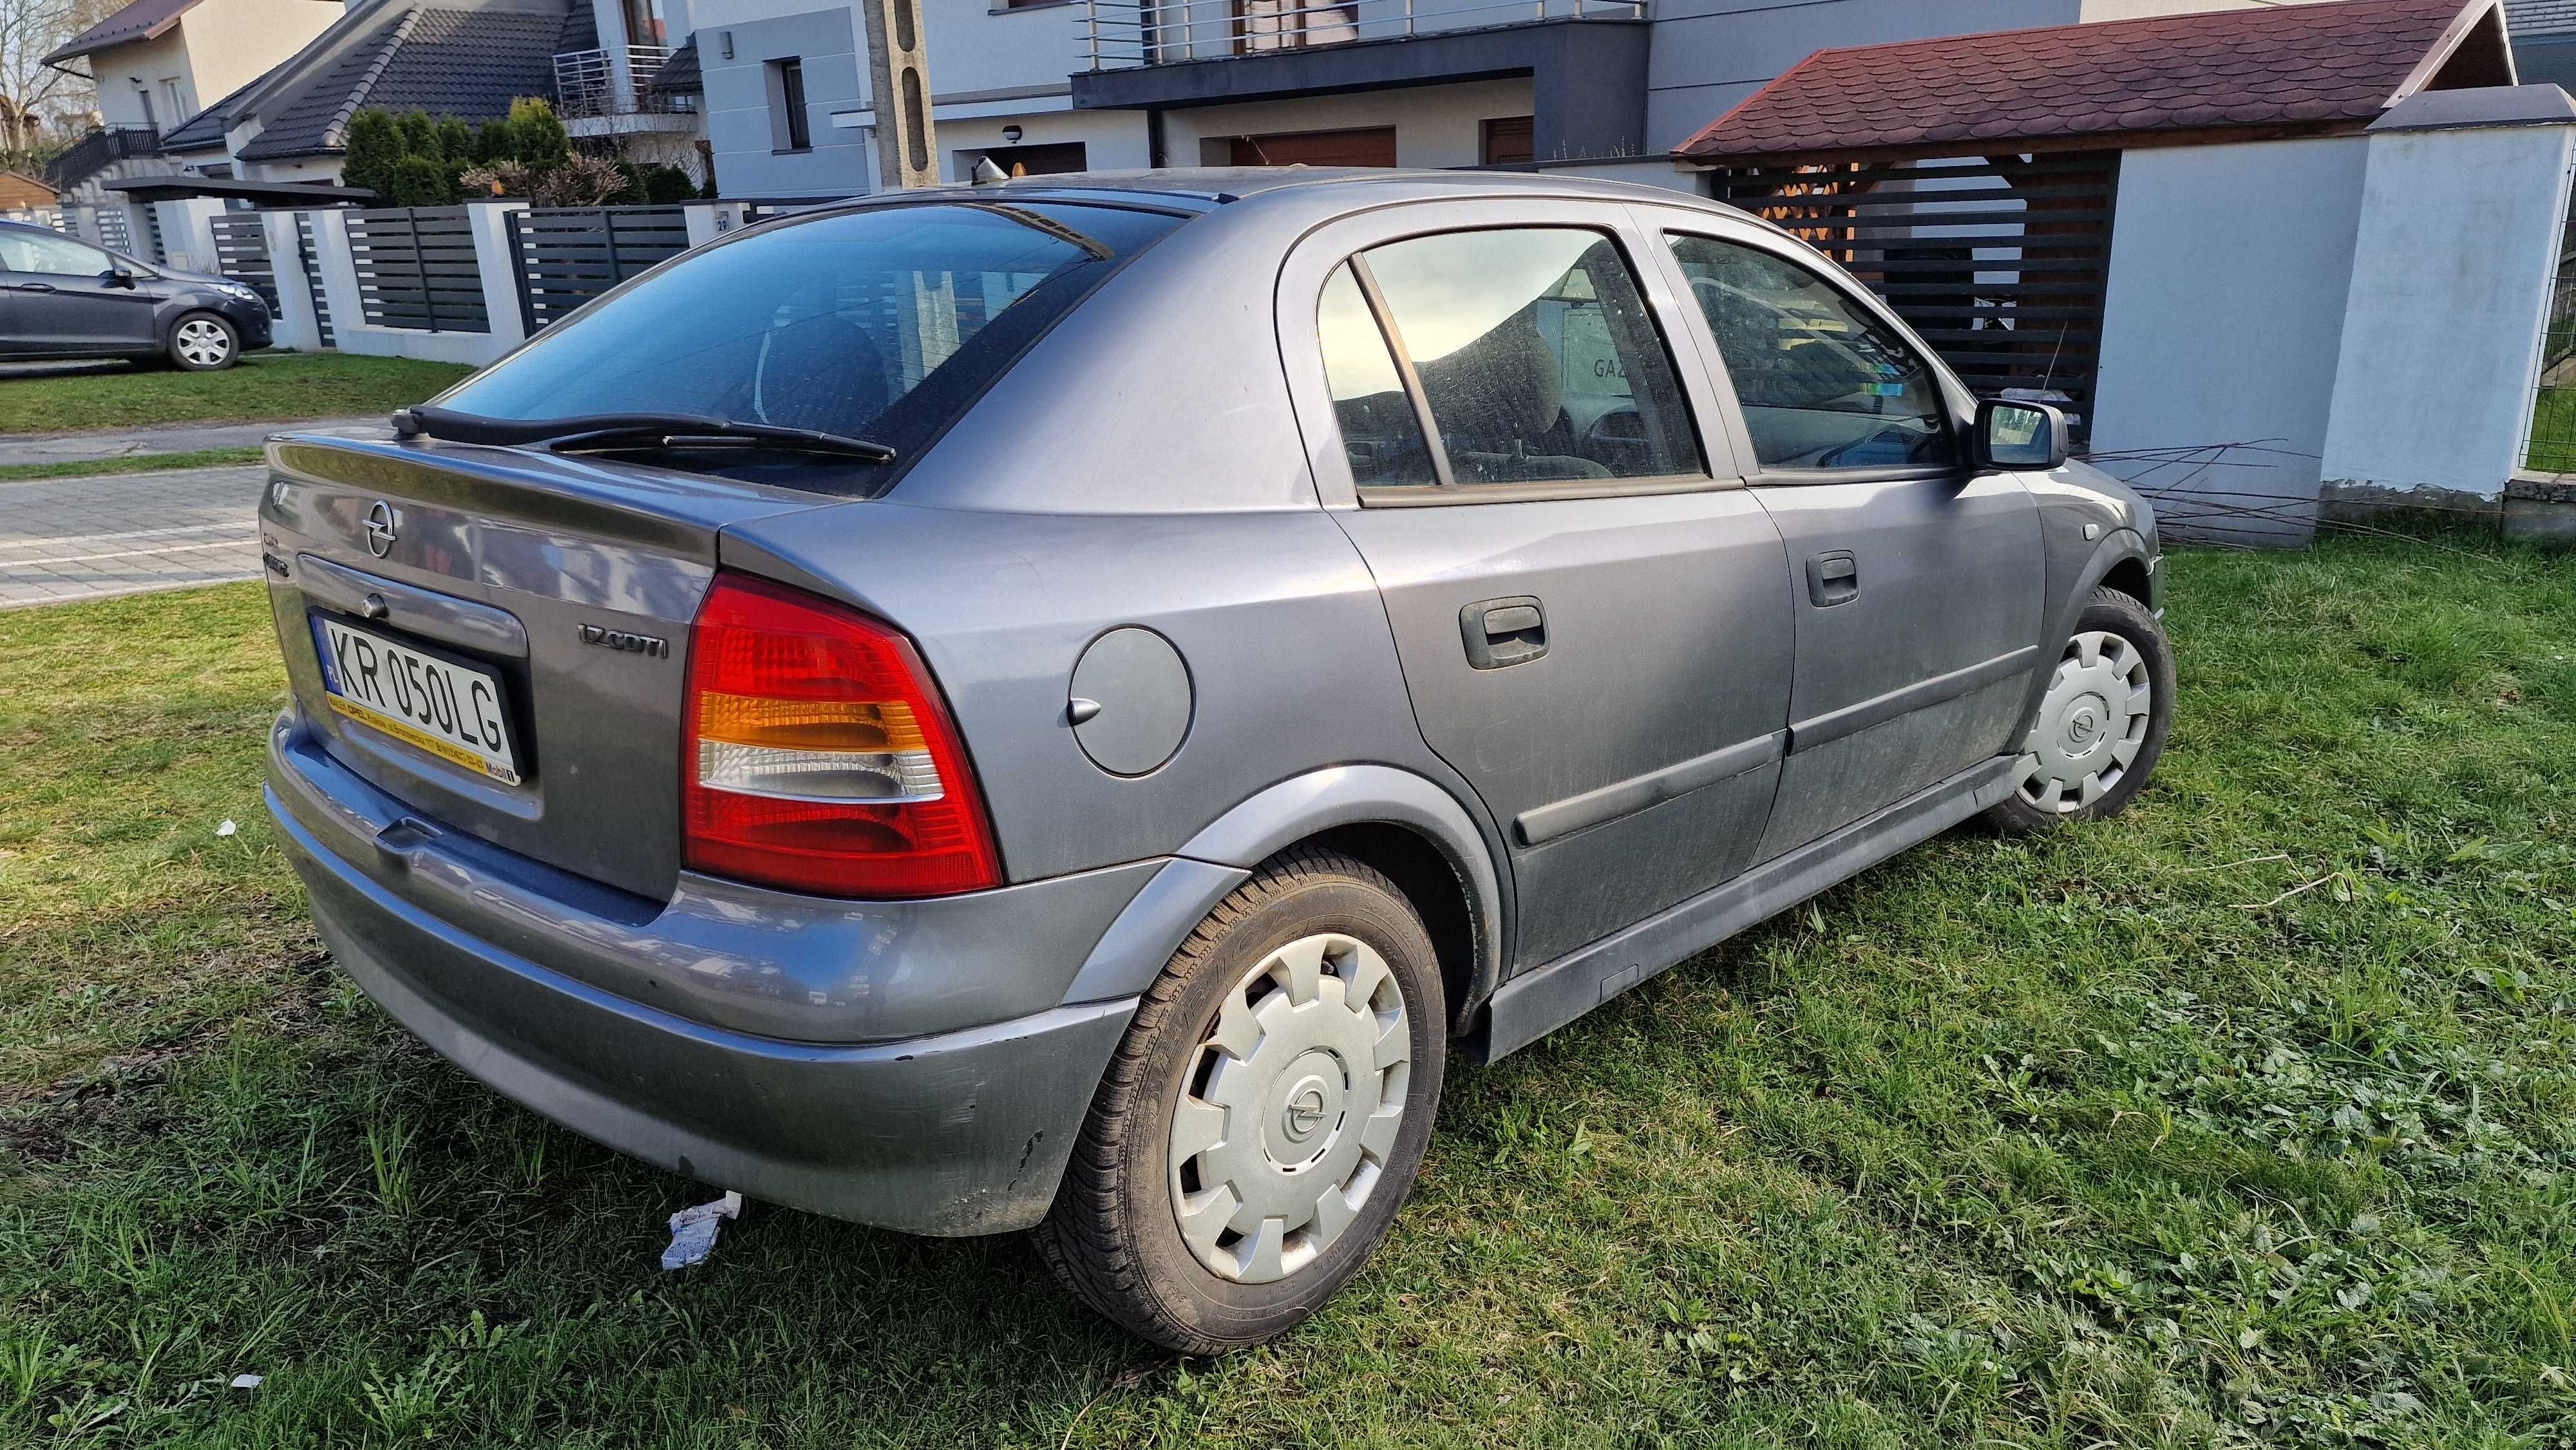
x,y
507,634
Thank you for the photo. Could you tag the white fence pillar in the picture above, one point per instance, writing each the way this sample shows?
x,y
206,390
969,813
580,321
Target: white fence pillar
x,y
498,263
298,328
188,233
339,275
2462,211
709,220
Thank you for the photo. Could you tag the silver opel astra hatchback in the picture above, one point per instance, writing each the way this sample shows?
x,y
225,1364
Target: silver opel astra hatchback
x,y
1065,705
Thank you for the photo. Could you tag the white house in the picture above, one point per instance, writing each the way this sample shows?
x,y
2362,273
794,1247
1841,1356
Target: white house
x,y
1060,85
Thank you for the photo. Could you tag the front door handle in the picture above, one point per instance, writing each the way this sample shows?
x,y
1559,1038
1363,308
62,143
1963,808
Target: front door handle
x,y
1503,632
1833,579
35,286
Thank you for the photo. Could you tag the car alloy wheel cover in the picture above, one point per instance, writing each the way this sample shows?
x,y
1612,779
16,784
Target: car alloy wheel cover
x,y
1290,1109
202,342
2092,725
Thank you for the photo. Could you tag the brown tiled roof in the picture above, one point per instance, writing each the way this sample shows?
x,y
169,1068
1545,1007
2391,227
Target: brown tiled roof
x,y
2315,65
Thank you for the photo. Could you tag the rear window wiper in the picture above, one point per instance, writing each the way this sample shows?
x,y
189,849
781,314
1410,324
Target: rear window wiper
x,y
634,430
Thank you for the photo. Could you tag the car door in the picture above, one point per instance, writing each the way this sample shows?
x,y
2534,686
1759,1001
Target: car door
x,y
1589,608
1915,580
63,297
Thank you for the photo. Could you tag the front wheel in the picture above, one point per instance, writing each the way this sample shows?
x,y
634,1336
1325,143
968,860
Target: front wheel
x,y
2103,723
202,342
1265,1116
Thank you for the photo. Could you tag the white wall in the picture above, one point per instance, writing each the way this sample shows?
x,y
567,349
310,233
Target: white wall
x,y
1435,126
2451,277
739,130
234,42
2230,267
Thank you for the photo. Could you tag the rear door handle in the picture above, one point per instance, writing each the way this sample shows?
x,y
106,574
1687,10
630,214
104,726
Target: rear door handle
x,y
1502,632
1833,579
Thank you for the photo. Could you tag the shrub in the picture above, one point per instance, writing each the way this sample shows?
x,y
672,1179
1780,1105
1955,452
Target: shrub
x,y
664,185
542,143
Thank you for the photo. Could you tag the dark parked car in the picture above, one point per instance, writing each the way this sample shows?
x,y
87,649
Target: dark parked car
x,y
1060,705
62,297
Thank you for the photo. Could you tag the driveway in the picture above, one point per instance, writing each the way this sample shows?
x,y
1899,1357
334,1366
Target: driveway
x,y
63,539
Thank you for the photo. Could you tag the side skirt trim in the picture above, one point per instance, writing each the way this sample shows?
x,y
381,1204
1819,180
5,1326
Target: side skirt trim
x,y
1547,997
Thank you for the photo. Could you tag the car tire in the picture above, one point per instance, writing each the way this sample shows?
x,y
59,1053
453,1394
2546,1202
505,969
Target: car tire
x,y
203,342
2102,725
1223,1045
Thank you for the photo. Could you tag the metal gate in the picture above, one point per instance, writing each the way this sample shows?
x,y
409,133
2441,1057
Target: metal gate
x,y
241,253
112,230
305,254
2551,447
416,269
565,256
160,252
2000,262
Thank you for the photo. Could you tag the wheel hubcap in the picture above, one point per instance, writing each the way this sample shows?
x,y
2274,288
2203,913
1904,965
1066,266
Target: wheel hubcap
x,y
203,342
1290,1109
2090,726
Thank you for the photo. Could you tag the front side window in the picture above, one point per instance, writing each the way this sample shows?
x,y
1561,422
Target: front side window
x,y
56,256
1536,356
881,323
1822,382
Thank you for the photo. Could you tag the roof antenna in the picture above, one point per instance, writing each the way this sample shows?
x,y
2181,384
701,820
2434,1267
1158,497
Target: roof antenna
x,y
988,174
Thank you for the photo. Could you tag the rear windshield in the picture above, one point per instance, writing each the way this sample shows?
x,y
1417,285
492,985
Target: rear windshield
x,y
882,323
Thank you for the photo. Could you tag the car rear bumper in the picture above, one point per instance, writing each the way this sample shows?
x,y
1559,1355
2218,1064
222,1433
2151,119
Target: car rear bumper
x,y
962,1131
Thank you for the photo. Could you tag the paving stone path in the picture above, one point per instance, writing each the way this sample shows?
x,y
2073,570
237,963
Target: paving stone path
x,y
63,539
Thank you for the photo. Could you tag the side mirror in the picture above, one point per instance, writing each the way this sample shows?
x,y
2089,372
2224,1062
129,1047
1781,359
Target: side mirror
x,y
2021,436
119,277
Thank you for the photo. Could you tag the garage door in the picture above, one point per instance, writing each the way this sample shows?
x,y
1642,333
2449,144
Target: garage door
x,y
1367,146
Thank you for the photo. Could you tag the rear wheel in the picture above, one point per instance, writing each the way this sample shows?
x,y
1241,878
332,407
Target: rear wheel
x,y
202,342
2102,725
1264,1118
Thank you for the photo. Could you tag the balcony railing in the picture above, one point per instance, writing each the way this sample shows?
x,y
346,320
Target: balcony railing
x,y
1119,34
586,83
99,150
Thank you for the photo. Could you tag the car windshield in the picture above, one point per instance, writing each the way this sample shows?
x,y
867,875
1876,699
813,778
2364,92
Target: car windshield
x,y
881,323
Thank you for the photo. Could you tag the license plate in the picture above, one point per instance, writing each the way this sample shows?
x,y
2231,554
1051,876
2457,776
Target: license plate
x,y
455,712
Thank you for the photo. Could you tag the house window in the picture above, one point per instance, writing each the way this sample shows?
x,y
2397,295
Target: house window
x,y
174,99
645,23
787,123
1507,140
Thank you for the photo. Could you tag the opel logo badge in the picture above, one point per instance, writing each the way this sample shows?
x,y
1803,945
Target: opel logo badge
x,y
380,529
1305,1114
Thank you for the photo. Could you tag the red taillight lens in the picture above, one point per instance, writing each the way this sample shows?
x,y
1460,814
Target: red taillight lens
x,y
817,757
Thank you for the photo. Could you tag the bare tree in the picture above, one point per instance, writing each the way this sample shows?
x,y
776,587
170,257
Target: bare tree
x,y
30,90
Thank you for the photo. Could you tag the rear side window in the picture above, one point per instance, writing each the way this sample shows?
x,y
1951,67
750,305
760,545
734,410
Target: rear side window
x,y
1822,382
1533,350
1381,433
882,323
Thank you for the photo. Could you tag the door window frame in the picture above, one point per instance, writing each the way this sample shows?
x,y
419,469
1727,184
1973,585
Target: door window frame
x,y
1959,405
1312,262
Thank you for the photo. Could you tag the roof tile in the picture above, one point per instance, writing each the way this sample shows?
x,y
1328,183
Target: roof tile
x,y
2307,64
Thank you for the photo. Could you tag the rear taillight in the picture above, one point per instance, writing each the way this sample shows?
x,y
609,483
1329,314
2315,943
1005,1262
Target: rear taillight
x,y
818,757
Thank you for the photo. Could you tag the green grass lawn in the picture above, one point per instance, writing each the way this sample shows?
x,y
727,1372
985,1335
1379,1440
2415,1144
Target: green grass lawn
x,y
135,463
2249,1116
262,386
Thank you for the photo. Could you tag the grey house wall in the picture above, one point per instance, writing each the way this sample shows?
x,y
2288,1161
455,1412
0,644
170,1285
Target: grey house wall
x,y
1708,55
741,130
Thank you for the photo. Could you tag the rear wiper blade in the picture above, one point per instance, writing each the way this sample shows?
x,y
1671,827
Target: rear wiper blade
x,y
648,430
